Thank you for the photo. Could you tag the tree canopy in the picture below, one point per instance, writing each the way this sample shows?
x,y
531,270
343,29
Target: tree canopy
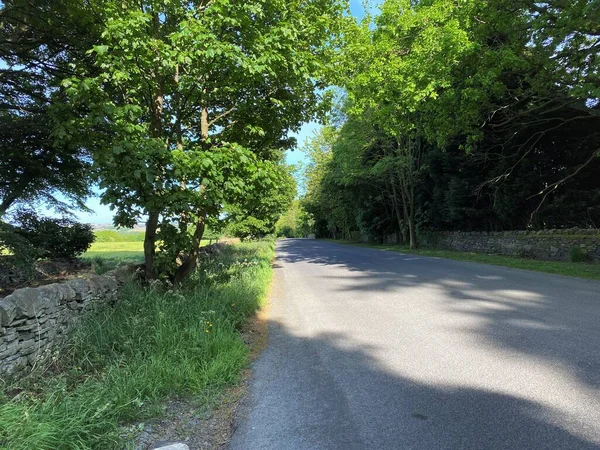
x,y
198,99
470,115
463,116
38,43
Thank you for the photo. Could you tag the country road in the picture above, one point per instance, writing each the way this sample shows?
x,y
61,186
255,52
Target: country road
x,y
379,350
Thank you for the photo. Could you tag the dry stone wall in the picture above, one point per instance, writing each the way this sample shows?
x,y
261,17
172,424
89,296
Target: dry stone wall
x,y
546,244
34,320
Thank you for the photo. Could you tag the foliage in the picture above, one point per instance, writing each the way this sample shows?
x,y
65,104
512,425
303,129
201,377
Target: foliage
x,y
17,255
198,98
53,238
462,116
153,345
265,203
576,254
296,222
38,159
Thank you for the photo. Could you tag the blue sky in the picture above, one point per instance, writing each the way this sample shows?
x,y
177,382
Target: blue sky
x,y
101,214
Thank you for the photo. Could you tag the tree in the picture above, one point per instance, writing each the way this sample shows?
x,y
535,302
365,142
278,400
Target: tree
x,y
38,43
199,97
466,115
399,66
257,216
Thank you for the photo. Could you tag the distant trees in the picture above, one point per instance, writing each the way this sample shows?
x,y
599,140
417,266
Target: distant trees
x,y
465,116
295,222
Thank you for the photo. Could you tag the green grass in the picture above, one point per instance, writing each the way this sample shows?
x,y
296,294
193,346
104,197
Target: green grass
x,y
119,236
116,250
123,362
106,256
573,269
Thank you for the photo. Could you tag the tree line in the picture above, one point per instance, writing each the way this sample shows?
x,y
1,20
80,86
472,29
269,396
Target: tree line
x,y
441,114
461,115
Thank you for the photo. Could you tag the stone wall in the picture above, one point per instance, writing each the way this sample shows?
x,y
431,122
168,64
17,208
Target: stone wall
x,y
34,320
546,244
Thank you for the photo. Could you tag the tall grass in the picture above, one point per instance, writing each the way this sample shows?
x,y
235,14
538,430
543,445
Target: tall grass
x,y
123,362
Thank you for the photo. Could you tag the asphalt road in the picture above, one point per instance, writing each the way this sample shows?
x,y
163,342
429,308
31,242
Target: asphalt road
x,y
379,350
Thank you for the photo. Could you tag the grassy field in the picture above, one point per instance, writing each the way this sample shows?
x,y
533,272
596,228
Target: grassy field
x,y
113,248
124,362
116,250
120,245
581,270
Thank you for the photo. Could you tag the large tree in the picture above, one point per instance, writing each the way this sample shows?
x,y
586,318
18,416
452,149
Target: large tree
x,y
39,42
199,97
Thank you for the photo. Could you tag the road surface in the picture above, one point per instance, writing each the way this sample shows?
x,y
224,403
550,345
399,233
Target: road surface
x,y
379,350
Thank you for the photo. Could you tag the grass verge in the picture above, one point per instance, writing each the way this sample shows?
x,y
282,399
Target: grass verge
x,y
572,269
124,362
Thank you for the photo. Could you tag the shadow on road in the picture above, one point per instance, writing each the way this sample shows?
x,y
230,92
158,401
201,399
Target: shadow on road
x,y
329,394
544,316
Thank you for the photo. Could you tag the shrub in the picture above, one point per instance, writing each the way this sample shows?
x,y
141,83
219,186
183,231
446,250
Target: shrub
x,y
250,228
526,253
576,254
286,231
17,255
54,238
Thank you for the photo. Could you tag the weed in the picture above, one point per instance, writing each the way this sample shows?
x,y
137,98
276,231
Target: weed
x,y
577,255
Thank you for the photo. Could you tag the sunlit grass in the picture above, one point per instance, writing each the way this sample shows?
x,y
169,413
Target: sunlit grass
x,y
116,250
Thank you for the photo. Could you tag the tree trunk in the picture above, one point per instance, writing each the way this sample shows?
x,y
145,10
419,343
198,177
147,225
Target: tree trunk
x,y
412,232
150,244
190,262
397,210
156,131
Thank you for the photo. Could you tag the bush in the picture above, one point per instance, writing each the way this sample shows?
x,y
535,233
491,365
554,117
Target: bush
x,y
578,255
286,231
17,255
250,228
54,238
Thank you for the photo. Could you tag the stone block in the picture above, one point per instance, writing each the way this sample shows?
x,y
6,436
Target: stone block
x,y
10,350
81,287
169,446
10,335
8,311
29,350
28,302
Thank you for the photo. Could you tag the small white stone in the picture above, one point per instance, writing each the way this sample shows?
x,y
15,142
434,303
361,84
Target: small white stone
x,y
177,446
